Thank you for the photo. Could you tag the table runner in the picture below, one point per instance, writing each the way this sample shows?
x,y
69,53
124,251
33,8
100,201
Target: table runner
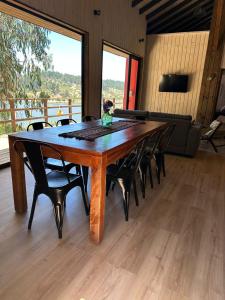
x,y
90,134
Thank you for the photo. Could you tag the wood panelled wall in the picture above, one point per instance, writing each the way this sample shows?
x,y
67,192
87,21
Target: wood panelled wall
x,y
118,24
180,53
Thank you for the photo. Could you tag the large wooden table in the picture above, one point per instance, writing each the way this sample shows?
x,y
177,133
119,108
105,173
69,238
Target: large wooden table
x,y
97,155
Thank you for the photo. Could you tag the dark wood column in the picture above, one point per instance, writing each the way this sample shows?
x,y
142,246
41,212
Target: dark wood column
x,y
212,69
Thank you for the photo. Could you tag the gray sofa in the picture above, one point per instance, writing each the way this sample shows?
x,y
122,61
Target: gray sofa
x,y
186,137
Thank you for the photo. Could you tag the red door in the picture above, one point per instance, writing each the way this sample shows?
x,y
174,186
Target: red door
x,y
131,83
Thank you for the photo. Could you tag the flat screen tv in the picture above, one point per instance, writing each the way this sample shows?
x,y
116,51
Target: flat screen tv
x,y
174,83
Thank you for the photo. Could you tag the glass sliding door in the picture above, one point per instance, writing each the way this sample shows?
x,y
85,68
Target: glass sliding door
x,y
120,76
113,76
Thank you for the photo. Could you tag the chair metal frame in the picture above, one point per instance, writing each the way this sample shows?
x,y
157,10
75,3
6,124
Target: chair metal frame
x,y
128,178
35,163
66,121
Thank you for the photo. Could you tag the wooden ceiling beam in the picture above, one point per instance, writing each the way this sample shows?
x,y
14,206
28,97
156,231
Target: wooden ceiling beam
x,y
162,8
148,6
189,19
136,2
178,11
195,25
158,28
182,6
212,68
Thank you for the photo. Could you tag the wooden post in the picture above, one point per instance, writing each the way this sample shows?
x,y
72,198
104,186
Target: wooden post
x,y
45,101
13,114
212,68
70,108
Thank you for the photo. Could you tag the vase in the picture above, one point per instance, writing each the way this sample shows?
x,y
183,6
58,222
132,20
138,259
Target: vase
x,y
106,119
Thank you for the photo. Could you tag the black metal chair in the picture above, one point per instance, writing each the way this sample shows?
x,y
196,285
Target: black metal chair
x,y
63,122
162,148
85,170
146,162
38,125
52,163
209,133
88,118
124,174
55,184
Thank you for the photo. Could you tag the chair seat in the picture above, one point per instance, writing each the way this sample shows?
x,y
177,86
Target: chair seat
x,y
58,179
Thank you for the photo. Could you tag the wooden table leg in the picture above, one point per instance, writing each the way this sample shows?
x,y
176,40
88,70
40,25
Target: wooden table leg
x,y
18,179
97,209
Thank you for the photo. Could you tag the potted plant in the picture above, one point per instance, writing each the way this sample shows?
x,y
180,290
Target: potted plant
x,y
107,113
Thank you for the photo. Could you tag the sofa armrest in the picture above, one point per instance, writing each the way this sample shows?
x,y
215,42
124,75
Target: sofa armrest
x,y
193,140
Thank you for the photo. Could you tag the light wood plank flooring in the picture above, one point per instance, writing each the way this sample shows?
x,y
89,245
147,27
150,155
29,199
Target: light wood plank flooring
x,y
173,246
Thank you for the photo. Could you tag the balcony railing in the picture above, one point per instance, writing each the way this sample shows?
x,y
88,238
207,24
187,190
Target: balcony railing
x,y
45,110
49,110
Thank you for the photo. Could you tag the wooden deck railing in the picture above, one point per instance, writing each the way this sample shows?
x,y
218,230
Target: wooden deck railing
x,y
12,108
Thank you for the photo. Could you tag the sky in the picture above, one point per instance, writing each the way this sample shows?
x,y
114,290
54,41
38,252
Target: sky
x,y
66,54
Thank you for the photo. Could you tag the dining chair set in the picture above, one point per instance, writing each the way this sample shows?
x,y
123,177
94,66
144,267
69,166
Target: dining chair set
x,y
57,182
137,164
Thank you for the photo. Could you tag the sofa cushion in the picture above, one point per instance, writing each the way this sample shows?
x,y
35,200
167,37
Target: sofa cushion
x,y
131,114
169,116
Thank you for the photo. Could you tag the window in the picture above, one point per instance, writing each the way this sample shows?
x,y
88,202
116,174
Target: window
x,y
40,72
120,75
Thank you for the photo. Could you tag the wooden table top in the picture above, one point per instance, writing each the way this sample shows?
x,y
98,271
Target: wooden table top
x,y
99,146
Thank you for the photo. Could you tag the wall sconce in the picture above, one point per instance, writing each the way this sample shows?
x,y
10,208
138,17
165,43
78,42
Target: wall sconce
x,y
211,77
97,12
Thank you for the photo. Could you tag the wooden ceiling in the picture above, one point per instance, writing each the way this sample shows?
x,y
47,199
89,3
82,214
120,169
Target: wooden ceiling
x,y
164,16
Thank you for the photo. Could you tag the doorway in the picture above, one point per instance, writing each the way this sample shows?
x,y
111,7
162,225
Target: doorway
x,y
120,77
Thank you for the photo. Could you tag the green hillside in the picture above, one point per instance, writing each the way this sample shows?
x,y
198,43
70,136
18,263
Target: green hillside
x,y
57,85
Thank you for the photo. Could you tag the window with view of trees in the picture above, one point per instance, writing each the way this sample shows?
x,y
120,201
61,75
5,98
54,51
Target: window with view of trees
x,y
40,74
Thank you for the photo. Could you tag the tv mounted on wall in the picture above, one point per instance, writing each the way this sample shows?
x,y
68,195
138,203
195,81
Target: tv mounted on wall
x,y
173,83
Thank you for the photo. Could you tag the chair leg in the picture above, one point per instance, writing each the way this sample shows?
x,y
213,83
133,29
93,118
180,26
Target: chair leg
x,y
113,185
108,184
126,200
135,192
163,164
84,197
150,174
85,177
158,167
213,145
78,169
143,176
35,196
58,210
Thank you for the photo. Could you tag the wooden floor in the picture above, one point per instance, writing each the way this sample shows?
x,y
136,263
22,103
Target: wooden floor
x,y
173,246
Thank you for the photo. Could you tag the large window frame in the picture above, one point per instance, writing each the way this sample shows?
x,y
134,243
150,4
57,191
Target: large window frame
x,y
107,46
28,14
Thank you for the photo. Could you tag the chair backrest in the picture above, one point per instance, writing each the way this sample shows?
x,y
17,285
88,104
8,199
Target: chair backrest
x,y
140,151
166,137
134,158
153,141
38,125
89,118
35,159
211,130
63,122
